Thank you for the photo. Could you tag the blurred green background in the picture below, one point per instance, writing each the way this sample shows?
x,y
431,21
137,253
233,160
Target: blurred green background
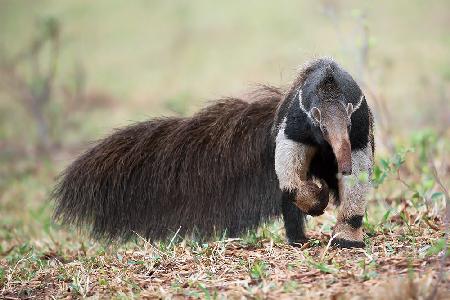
x,y
70,71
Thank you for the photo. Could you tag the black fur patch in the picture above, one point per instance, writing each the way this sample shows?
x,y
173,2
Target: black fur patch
x,y
324,166
342,243
294,219
298,126
316,211
355,221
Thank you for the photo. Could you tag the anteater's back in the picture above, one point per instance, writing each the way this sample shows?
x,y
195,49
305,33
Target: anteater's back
x,y
207,173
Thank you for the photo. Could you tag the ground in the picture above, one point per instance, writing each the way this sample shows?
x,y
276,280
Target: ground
x,y
403,258
259,268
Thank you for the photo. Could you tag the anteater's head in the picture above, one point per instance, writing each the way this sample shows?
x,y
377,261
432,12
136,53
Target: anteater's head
x,y
328,97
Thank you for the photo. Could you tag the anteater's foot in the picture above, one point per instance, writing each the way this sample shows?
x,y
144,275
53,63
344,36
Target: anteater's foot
x,y
298,242
342,243
347,236
312,199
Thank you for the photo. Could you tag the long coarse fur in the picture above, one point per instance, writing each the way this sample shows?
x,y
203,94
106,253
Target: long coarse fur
x,y
207,173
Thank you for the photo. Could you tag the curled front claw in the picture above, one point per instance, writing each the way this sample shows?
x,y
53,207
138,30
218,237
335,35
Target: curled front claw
x,y
312,199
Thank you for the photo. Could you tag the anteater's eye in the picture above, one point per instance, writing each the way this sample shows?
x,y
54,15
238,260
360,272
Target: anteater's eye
x,y
324,130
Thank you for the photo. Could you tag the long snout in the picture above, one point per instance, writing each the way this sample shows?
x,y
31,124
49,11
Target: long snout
x,y
343,152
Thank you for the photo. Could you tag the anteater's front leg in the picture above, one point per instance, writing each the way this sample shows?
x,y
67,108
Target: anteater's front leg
x,y
300,194
292,162
353,192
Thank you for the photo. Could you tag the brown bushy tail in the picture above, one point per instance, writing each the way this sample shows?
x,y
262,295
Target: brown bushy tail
x,y
207,173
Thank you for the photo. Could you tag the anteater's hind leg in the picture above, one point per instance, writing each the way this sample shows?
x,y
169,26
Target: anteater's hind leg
x,y
294,219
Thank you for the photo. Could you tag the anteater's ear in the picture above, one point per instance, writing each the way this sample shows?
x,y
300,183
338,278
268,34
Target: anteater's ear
x,y
350,109
315,113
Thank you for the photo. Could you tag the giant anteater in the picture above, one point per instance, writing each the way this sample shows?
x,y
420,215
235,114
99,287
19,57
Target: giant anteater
x,y
232,165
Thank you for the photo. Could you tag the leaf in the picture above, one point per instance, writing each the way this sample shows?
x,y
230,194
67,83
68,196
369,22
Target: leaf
x,y
378,176
386,216
436,196
385,164
398,160
258,270
205,291
322,267
102,281
437,247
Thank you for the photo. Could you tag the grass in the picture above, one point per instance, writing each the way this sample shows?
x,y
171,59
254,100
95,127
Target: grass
x,y
404,241
226,269
159,58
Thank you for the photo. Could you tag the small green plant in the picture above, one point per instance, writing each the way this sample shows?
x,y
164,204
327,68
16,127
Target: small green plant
x,y
437,247
252,239
206,293
389,166
315,242
80,284
259,270
368,270
19,253
102,282
267,232
322,266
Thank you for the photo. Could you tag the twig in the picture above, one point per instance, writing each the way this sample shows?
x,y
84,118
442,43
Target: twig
x,y
402,181
328,246
174,236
